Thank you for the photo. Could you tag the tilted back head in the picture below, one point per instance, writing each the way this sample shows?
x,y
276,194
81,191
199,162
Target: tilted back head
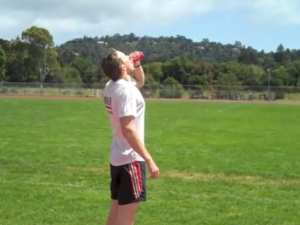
x,y
113,65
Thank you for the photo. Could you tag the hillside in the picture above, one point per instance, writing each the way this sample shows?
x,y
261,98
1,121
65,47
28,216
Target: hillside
x,y
168,60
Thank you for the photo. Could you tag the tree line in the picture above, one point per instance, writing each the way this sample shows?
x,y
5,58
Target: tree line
x,y
173,61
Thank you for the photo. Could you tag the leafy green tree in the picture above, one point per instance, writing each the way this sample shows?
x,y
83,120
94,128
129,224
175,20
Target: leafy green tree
x,y
71,76
171,88
39,46
179,68
154,70
170,62
2,64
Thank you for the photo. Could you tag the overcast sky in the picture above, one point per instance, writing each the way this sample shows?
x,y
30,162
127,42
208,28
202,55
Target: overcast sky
x,y
261,23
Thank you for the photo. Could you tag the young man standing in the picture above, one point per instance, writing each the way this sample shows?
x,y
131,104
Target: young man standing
x,y
125,106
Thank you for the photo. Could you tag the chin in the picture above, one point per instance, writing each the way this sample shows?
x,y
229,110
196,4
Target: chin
x,y
130,71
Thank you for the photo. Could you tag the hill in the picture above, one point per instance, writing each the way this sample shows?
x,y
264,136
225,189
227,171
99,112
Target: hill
x,y
168,60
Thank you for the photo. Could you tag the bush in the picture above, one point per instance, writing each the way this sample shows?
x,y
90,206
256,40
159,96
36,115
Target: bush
x,y
11,91
172,89
197,94
279,95
146,94
4,90
65,92
79,93
167,93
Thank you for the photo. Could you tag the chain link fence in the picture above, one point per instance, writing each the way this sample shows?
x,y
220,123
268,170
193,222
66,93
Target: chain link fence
x,y
148,91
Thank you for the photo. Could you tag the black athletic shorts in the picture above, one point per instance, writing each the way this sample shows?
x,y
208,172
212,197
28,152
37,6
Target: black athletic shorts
x,y
128,183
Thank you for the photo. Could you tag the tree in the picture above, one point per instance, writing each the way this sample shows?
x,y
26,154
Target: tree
x,y
169,61
154,70
40,44
2,64
71,76
39,38
172,88
179,68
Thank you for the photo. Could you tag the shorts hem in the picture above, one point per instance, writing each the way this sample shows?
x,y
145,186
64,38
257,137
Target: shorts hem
x,y
136,201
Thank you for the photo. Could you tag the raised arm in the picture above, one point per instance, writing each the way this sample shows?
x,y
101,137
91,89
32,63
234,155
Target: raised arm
x,y
139,76
138,72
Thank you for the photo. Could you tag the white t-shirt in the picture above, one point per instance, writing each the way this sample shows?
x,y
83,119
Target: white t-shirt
x,y
123,98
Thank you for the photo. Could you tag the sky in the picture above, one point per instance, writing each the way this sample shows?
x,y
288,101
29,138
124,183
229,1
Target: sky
x,y
262,24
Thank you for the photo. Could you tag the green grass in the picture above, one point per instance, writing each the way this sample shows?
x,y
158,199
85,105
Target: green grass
x,y
233,164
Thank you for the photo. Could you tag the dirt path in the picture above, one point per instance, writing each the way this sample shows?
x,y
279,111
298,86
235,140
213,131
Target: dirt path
x,y
286,102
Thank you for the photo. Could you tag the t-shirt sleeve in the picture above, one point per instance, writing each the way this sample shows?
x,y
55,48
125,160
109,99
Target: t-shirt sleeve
x,y
127,103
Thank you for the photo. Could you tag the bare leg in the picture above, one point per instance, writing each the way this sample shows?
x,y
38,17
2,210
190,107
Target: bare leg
x,y
113,213
126,214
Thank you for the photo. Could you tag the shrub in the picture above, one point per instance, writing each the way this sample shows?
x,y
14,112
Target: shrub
x,y
146,93
170,93
171,89
279,95
197,94
65,92
4,90
79,93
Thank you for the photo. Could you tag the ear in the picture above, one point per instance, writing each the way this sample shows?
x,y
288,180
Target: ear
x,y
123,67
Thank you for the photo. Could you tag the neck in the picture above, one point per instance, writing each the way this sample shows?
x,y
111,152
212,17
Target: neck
x,y
126,77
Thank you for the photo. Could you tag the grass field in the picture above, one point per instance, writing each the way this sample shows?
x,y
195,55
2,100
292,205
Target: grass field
x,y
221,164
